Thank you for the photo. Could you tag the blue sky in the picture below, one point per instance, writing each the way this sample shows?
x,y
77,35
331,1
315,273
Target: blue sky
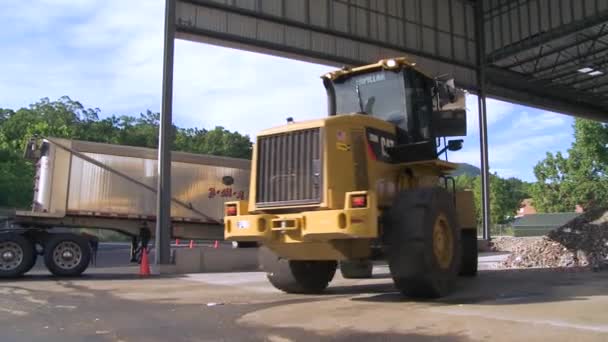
x,y
108,54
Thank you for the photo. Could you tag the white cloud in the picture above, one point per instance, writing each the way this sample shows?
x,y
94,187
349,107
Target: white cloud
x,y
111,58
247,93
520,153
496,111
506,172
540,121
106,54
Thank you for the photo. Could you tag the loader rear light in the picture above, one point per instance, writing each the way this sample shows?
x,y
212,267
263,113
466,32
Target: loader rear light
x,y
358,201
231,210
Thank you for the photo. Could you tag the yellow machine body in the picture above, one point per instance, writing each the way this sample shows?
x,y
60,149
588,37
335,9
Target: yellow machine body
x,y
332,229
352,162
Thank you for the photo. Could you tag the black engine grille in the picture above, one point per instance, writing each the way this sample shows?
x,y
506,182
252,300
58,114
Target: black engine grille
x,y
289,170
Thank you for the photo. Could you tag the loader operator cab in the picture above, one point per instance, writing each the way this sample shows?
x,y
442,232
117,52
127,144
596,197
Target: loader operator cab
x,y
421,108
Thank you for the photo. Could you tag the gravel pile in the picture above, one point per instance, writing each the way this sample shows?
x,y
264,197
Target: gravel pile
x,y
510,243
582,242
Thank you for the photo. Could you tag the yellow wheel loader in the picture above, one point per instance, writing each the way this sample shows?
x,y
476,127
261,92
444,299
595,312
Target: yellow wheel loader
x,y
369,181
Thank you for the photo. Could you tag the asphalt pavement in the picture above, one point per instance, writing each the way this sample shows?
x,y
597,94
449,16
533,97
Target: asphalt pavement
x,y
114,304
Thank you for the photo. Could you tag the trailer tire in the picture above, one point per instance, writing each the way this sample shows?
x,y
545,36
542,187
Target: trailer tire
x,y
17,255
468,268
297,276
424,243
67,255
356,269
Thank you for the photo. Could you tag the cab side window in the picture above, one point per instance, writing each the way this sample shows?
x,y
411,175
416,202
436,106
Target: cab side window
x,y
421,105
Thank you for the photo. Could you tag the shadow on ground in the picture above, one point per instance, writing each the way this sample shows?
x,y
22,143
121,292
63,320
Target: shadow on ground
x,y
351,335
503,287
99,315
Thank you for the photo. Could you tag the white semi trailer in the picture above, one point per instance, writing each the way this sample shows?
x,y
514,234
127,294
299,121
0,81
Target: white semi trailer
x,y
82,184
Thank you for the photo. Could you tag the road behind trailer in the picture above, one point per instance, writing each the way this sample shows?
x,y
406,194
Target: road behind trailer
x,y
82,184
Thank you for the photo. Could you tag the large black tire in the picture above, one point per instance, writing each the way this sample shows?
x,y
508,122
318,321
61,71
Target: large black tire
x,y
356,269
423,243
297,276
67,255
468,267
17,255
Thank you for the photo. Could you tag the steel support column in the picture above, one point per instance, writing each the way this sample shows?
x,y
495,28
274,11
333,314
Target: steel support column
x,y
483,124
163,204
485,168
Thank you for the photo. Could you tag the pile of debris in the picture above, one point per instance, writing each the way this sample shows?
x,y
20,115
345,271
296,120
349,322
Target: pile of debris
x,y
582,242
511,243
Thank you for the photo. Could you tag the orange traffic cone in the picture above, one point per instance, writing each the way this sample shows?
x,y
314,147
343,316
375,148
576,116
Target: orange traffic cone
x,y
144,267
216,244
191,243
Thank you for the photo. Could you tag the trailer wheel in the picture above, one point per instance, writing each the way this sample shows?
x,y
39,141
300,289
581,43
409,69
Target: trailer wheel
x,y
297,276
67,255
468,268
424,243
356,269
17,255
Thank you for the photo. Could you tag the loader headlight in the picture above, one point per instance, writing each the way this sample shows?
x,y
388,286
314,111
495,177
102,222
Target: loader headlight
x,y
391,63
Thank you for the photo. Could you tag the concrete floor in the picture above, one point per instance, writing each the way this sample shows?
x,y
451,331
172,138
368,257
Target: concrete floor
x,y
111,305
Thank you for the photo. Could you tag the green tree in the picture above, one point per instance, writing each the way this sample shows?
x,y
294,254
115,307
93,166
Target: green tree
x,y
219,141
505,195
578,178
465,182
16,180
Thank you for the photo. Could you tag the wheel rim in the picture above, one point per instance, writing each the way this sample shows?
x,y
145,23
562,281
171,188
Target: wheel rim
x,y
67,255
11,255
443,242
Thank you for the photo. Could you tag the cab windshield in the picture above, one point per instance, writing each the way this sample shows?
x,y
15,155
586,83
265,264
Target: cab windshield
x,y
380,94
403,98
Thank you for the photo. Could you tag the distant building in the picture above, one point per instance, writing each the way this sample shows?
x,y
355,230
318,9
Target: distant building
x,y
526,208
540,224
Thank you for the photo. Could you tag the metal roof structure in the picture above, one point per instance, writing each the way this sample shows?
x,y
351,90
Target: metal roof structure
x,y
532,49
566,56
550,54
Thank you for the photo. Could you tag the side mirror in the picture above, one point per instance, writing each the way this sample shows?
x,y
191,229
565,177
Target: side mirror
x,y
455,145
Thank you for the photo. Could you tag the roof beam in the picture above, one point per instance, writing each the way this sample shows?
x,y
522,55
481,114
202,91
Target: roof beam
x,y
573,69
545,37
581,60
186,29
554,51
594,81
589,83
515,87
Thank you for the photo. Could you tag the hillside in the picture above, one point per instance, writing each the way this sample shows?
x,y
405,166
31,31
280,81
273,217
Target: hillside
x,y
466,169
